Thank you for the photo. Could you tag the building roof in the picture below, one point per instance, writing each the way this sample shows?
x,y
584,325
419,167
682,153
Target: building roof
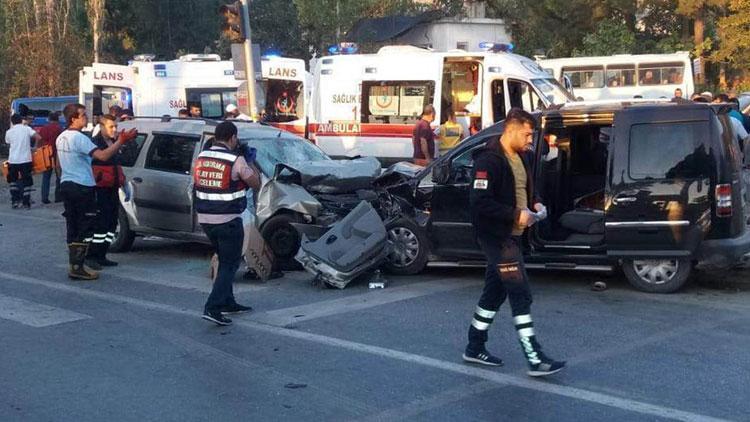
x,y
388,27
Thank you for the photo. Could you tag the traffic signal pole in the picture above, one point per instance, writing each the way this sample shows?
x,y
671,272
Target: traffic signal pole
x,y
248,58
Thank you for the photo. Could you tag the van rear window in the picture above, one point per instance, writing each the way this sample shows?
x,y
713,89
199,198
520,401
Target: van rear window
x,y
669,151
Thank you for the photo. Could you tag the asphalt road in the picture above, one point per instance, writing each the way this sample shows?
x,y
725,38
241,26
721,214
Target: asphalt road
x,y
132,346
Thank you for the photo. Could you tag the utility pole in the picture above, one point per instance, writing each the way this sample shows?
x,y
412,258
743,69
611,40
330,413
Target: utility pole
x,y
248,58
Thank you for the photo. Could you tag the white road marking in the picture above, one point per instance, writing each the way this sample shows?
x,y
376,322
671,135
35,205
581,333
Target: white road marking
x,y
35,314
370,299
181,281
457,368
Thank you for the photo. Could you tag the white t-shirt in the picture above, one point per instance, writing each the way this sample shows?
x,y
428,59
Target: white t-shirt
x,y
74,153
19,138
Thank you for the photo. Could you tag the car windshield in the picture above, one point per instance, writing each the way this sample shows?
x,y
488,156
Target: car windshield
x,y
552,89
283,150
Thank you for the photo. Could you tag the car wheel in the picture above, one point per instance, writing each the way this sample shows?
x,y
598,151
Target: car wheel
x,y
283,239
124,237
410,248
665,275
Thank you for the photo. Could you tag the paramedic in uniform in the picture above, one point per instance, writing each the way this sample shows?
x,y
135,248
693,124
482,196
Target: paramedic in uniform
x,y
221,178
109,178
75,152
501,194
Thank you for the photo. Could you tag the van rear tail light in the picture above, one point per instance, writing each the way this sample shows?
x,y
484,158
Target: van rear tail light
x,y
724,200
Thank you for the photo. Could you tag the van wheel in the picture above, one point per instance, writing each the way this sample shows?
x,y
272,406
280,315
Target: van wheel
x,y
658,275
410,248
283,239
124,237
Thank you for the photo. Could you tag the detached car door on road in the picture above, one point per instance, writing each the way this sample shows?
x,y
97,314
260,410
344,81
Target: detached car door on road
x,y
161,189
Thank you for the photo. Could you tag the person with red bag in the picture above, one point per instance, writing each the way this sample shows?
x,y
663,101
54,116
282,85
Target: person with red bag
x,y
109,178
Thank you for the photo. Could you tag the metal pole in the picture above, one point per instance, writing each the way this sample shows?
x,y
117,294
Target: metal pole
x,y
248,56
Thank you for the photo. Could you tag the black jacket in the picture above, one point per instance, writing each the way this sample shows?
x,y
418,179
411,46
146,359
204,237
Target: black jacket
x,y
493,191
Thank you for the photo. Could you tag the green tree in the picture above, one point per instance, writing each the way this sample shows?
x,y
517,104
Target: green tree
x,y
735,34
612,37
699,12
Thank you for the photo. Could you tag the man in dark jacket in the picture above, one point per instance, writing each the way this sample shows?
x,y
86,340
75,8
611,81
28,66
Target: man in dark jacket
x,y
501,194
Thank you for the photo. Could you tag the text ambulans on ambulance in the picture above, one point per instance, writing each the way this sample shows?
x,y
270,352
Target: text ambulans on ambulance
x,y
367,104
283,93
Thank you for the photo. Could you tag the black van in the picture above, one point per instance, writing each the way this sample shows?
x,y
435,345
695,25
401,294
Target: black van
x,y
652,187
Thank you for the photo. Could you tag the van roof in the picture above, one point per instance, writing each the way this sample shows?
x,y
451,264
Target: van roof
x,y
192,126
603,111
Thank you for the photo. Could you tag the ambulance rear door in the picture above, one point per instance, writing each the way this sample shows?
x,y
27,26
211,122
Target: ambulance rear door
x,y
110,85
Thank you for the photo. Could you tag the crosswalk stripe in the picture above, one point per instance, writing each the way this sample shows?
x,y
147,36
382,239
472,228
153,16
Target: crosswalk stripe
x,y
35,314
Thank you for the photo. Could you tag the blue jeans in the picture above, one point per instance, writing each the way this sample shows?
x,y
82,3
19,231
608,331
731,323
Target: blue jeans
x,y
227,241
46,176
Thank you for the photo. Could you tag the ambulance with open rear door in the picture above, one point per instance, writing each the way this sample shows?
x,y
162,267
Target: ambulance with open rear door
x,y
367,104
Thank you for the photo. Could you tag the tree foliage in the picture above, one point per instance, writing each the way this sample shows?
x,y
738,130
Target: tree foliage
x,y
735,34
612,37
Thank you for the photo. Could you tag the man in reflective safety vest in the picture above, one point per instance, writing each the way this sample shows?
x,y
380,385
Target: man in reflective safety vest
x,y
221,177
109,178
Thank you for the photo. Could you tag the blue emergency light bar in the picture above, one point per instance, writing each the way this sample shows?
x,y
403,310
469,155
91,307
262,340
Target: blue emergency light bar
x,y
272,54
496,47
344,48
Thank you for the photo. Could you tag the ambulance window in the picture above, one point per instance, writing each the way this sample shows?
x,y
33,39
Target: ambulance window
x,y
129,152
212,101
108,96
395,102
171,153
522,95
284,100
498,100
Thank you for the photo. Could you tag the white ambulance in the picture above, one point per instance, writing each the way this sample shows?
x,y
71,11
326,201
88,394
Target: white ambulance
x,y
283,93
158,88
367,104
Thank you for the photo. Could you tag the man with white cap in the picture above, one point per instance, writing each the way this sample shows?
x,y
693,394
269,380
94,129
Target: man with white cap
x,y
234,113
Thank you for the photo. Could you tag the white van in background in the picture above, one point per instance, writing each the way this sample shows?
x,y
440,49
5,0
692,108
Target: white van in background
x,y
624,76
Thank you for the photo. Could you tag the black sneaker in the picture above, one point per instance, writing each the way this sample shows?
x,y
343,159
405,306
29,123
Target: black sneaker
x,y
217,318
104,262
236,309
15,205
483,358
546,367
46,201
93,264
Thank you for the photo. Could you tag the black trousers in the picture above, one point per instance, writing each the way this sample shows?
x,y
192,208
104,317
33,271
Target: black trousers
x,y
505,277
227,241
107,203
20,181
80,211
